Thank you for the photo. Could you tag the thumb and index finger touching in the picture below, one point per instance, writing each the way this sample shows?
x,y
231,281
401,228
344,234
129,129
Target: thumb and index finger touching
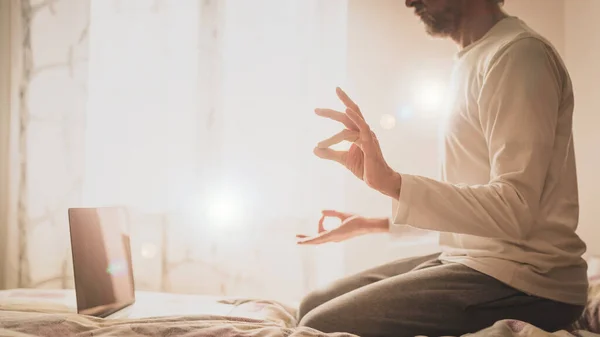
x,y
333,213
324,214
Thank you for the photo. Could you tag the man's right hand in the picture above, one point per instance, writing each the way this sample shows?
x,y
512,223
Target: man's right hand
x,y
351,226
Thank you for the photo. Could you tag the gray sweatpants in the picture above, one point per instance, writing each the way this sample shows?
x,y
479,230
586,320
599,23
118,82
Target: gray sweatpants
x,y
423,296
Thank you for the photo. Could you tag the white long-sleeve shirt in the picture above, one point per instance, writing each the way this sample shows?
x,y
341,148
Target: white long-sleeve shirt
x,y
507,203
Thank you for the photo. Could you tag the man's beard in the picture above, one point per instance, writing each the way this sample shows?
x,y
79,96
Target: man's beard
x,y
441,25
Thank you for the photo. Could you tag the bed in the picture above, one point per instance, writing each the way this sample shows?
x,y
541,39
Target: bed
x,y
30,312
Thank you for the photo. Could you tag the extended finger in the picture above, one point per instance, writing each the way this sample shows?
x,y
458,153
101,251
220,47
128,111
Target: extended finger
x,y
344,135
357,119
329,154
337,116
318,239
348,102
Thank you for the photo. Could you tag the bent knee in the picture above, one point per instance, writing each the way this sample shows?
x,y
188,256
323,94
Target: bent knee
x,y
321,320
312,301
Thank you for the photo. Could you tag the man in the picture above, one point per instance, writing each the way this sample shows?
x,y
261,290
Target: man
x,y
506,205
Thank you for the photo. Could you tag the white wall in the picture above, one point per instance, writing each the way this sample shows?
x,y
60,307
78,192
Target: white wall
x,y
388,53
583,56
545,16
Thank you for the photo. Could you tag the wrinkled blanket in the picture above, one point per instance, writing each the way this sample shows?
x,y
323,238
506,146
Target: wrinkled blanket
x,y
20,324
242,317
30,324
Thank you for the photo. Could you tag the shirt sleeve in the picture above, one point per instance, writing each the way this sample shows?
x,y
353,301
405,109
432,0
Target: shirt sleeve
x,y
518,111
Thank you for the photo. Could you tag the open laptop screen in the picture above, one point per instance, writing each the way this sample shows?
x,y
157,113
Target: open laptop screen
x,y
101,260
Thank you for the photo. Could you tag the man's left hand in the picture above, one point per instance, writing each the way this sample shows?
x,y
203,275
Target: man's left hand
x,y
364,158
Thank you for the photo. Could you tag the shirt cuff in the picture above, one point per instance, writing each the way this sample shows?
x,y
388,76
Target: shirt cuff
x,y
401,208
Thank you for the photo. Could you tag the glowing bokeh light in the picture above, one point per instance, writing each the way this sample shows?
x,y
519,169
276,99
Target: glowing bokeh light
x,y
405,112
429,97
224,209
117,267
387,122
221,207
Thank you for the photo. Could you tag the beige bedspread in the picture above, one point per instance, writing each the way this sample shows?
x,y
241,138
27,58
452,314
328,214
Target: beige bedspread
x,y
31,324
27,324
247,318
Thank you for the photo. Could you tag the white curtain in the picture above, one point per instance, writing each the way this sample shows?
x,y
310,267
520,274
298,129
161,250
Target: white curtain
x,y
48,80
199,117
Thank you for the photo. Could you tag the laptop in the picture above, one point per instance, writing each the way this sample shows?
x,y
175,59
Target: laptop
x,y
103,272
102,267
